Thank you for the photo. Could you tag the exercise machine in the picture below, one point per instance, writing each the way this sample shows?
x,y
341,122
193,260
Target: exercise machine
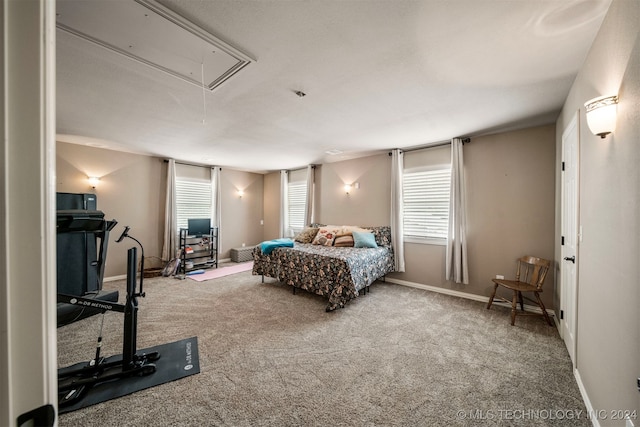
x,y
74,382
82,239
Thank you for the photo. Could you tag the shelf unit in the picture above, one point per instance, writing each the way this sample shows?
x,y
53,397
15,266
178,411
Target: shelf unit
x,y
198,252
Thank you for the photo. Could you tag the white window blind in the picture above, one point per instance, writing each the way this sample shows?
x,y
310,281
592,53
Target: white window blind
x,y
426,203
193,200
296,203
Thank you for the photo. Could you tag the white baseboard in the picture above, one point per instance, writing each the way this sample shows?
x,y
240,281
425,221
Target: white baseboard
x,y
481,298
114,278
124,276
594,419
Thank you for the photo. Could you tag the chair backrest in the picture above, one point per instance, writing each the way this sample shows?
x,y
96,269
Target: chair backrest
x,y
532,270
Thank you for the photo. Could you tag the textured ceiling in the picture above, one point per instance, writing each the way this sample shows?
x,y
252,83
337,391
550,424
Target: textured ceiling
x,y
377,75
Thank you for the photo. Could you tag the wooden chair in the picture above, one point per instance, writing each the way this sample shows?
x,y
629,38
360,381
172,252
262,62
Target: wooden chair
x,y
530,276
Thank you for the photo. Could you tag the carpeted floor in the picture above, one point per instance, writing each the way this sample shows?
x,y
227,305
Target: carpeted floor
x,y
397,356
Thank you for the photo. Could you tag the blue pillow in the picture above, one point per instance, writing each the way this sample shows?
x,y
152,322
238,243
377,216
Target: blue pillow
x,y
364,240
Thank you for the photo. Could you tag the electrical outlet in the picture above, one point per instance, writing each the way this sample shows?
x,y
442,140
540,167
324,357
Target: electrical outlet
x,y
499,276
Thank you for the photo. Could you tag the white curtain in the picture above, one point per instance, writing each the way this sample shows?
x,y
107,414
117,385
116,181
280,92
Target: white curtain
x,y
216,211
397,226
284,211
456,257
309,213
170,223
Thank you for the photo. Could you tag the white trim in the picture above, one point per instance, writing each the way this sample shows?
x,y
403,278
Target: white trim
x,y
425,241
558,323
242,59
585,397
124,276
114,278
27,124
466,295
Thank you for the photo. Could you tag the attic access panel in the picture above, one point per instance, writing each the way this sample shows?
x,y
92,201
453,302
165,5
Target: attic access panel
x,y
148,32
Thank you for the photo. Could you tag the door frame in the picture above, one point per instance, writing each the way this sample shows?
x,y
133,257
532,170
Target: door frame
x,y
28,361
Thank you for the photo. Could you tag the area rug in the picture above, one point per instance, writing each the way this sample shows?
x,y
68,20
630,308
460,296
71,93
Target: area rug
x,y
221,272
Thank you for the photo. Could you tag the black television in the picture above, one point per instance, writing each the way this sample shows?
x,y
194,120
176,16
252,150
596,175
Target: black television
x,y
199,227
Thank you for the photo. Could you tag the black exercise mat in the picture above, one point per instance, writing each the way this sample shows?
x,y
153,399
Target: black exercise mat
x,y
177,360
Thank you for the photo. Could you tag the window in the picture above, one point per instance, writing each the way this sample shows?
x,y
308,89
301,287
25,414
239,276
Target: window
x,y
296,200
297,192
193,200
426,203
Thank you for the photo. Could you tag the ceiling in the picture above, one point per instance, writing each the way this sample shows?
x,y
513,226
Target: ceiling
x,y
376,74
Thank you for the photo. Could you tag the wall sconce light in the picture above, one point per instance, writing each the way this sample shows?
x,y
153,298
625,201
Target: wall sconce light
x,y
93,181
601,115
240,193
349,187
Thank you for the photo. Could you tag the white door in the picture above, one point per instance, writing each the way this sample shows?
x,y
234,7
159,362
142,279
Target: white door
x,y
569,230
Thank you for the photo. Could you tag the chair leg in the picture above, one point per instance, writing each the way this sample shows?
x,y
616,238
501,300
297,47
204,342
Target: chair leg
x,y
521,300
514,307
544,310
495,288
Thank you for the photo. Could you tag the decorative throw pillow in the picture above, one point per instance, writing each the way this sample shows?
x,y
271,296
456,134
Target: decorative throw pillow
x,y
351,228
325,236
383,235
343,240
307,235
364,240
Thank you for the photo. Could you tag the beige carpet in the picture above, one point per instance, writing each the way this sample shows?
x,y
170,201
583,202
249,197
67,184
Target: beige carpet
x,y
396,357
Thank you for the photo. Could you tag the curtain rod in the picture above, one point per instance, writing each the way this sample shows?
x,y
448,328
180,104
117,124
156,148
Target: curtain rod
x,y
299,169
193,164
434,145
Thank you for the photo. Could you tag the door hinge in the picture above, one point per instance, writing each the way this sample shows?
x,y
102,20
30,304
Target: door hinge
x,y
561,314
562,165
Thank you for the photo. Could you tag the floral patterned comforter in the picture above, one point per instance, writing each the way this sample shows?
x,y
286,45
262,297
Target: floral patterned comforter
x,y
336,272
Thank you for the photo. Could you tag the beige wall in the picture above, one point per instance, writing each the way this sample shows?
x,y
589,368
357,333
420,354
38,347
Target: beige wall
x,y
271,206
510,203
510,212
367,206
510,186
608,327
132,191
240,215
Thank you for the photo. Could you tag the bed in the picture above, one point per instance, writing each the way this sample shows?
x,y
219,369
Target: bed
x,y
338,273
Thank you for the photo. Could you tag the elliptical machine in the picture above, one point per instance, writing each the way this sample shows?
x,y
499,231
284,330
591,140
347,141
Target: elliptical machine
x,y
75,382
